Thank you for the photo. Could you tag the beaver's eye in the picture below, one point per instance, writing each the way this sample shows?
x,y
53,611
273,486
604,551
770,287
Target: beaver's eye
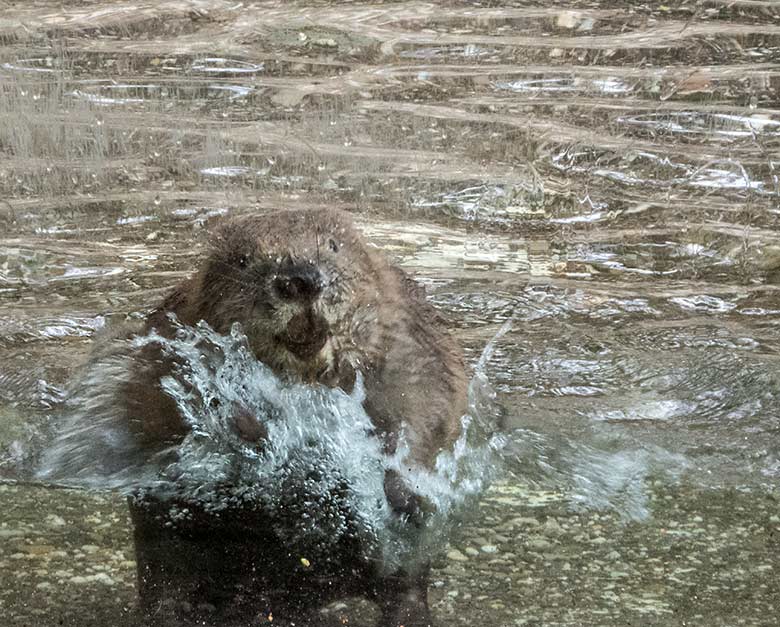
x,y
333,245
242,261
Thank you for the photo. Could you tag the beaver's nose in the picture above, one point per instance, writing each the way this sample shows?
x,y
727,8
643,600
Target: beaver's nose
x,y
298,283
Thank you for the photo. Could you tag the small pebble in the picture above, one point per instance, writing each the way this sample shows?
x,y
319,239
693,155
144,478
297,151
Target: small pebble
x,y
538,544
104,579
54,521
456,556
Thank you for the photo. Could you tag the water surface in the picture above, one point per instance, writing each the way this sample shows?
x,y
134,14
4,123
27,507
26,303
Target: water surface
x,y
606,175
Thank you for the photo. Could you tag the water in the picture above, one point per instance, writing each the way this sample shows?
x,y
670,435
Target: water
x,y
320,442
604,176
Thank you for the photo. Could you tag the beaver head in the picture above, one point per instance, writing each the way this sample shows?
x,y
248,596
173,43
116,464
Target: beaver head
x,y
302,283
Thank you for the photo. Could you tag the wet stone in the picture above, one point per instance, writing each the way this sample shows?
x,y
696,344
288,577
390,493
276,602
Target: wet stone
x,y
456,556
39,549
54,521
539,545
552,528
522,521
11,533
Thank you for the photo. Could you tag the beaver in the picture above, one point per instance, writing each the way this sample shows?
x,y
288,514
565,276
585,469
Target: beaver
x,y
318,305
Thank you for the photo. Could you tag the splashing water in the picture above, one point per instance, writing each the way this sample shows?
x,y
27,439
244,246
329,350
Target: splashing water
x,y
321,463
602,473
591,475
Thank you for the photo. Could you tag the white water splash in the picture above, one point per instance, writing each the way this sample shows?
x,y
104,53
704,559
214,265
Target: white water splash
x,y
321,462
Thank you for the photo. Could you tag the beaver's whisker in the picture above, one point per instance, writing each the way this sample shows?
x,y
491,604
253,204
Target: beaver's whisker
x,y
340,274
247,284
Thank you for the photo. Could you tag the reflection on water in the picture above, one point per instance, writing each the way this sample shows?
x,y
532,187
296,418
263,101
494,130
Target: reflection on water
x,y
605,176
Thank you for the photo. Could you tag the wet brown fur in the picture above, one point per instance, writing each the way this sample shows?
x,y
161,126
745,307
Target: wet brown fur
x,y
377,322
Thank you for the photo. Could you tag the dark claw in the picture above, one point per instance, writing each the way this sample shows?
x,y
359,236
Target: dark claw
x,y
403,501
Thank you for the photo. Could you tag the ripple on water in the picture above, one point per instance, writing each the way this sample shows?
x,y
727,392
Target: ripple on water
x,y
72,327
595,216
219,65
498,203
44,65
652,258
16,331
554,375
21,266
77,273
27,267
229,171
566,84
621,307
503,21
468,51
136,93
716,402
26,388
736,177
654,410
704,123
703,303
634,168
476,309
129,220
429,246
198,215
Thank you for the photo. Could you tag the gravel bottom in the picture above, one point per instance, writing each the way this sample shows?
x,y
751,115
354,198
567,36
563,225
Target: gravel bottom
x,y
703,558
